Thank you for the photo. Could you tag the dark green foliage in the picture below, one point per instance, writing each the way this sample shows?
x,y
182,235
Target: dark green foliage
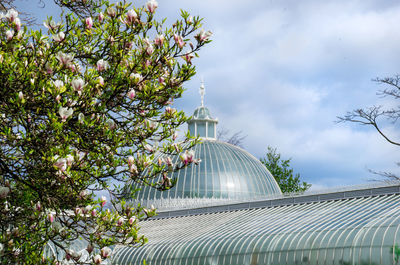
x,y
283,173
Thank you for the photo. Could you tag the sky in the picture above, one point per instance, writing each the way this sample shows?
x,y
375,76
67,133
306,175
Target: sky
x,y
281,71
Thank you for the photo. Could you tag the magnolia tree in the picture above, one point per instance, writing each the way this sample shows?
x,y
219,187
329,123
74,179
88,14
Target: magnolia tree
x,y
84,107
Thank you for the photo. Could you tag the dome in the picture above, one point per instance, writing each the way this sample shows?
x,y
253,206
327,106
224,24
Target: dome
x,y
226,172
202,113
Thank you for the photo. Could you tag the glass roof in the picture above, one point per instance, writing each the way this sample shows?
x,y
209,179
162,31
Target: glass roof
x,y
225,172
350,231
202,113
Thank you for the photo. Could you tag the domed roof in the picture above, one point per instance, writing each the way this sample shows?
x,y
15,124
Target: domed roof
x,y
225,172
202,113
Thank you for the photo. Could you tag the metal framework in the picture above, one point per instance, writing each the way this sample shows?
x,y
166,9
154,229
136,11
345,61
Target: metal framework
x,y
333,228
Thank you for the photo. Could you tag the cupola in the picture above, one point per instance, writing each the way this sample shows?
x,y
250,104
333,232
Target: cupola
x,y
202,124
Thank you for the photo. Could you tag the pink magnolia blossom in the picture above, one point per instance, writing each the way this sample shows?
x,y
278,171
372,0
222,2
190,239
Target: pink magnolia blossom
x,y
131,94
89,22
38,206
120,221
58,84
152,5
100,80
94,213
187,157
102,65
105,252
51,25
101,17
149,49
65,58
50,217
131,16
103,201
132,165
170,110
59,37
70,160
17,23
12,15
188,57
174,135
21,95
131,160
61,164
179,41
132,220
136,77
161,80
9,34
65,113
202,35
97,259
78,211
111,11
168,161
159,40
190,20
58,98
83,194
78,84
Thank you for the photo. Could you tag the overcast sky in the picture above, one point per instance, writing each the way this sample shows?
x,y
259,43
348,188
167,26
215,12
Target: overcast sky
x,y
282,71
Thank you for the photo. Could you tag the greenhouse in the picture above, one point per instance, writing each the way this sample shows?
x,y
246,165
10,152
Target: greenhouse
x,y
345,227
230,210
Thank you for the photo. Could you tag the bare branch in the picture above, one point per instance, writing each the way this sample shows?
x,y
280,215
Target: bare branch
x,y
235,139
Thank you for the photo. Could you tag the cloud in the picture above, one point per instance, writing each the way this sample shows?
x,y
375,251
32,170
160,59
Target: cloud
x,y
282,71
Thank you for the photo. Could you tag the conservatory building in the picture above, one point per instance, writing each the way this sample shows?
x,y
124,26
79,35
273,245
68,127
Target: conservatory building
x,y
229,210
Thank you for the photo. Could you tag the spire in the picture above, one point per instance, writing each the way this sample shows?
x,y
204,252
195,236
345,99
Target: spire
x,y
202,92
202,124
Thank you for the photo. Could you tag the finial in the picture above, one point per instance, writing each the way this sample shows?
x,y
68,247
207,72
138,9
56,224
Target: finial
x,y
202,91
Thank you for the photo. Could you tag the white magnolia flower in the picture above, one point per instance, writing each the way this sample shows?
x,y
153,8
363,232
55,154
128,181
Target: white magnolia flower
x,y
51,25
65,113
105,252
59,37
78,84
9,34
11,15
58,84
136,77
102,65
152,5
65,58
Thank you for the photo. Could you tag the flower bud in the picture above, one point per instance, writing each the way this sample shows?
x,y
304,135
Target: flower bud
x,y
105,252
101,17
89,23
111,11
21,95
50,217
103,201
97,259
131,94
152,5
120,221
132,220
9,34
